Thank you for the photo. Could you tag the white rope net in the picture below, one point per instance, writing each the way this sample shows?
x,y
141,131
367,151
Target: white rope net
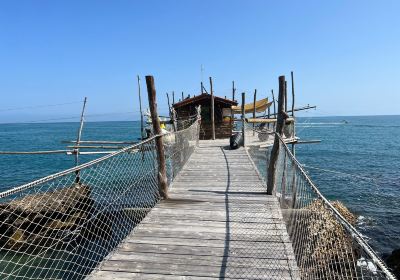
x,y
324,240
63,225
263,134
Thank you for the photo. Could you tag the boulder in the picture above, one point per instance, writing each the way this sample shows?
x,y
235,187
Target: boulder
x,y
44,219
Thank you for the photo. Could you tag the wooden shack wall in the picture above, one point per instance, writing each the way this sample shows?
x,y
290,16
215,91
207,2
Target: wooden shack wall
x,y
223,129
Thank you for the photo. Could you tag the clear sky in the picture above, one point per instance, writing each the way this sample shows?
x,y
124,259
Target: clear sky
x,y
345,54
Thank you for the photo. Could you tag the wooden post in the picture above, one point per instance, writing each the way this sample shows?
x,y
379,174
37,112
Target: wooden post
x,y
78,140
273,102
201,84
293,123
254,109
162,173
271,172
243,118
173,97
182,96
291,74
169,106
286,96
174,122
233,90
233,99
212,110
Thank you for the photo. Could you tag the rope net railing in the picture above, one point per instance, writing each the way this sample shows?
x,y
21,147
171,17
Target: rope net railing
x,y
63,225
263,133
324,240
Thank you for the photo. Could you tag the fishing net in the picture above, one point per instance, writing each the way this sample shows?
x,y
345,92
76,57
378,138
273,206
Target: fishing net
x,y
324,240
63,225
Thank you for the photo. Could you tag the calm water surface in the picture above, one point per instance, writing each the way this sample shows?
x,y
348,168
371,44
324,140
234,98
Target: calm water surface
x,y
367,148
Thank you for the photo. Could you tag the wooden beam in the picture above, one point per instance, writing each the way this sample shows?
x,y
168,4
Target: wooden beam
x,y
299,109
271,172
260,120
243,117
101,142
212,110
96,147
162,172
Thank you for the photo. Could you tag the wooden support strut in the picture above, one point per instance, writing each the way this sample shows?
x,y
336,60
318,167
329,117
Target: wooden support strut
x,y
212,110
279,130
162,173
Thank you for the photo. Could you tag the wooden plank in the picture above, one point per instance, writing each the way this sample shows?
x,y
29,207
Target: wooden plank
x,y
218,223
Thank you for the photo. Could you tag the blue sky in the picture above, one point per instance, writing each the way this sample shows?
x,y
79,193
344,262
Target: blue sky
x,y
345,54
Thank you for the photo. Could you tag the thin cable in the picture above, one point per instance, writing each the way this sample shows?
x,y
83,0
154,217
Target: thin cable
x,y
39,106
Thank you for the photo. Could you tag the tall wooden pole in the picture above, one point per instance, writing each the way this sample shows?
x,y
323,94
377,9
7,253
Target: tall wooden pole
x,y
140,107
233,99
173,97
182,96
169,107
162,173
78,140
294,124
201,84
233,90
291,74
279,130
254,108
286,105
212,110
243,118
273,101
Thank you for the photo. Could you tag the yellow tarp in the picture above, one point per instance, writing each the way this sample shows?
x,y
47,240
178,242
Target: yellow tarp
x,y
261,106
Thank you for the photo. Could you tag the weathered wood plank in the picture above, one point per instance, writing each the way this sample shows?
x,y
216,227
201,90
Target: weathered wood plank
x,y
219,223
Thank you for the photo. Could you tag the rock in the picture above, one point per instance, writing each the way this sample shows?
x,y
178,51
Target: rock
x,y
324,242
393,261
345,212
45,218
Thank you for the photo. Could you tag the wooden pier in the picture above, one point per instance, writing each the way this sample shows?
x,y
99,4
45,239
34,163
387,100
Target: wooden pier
x,y
218,223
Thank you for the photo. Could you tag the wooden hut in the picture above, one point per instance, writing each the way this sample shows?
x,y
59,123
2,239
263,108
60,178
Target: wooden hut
x,y
222,114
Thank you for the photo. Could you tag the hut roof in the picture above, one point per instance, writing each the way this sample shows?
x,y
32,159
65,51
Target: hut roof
x,y
202,98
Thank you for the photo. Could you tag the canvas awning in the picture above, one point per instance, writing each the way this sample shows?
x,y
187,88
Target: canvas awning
x,y
261,106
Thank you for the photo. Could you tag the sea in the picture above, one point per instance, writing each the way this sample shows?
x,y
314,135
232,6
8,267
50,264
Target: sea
x,y
356,162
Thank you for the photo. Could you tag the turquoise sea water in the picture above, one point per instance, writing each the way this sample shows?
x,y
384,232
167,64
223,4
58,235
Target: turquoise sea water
x,y
367,148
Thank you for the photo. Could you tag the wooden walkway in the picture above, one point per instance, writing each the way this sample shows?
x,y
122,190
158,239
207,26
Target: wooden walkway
x,y
218,224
